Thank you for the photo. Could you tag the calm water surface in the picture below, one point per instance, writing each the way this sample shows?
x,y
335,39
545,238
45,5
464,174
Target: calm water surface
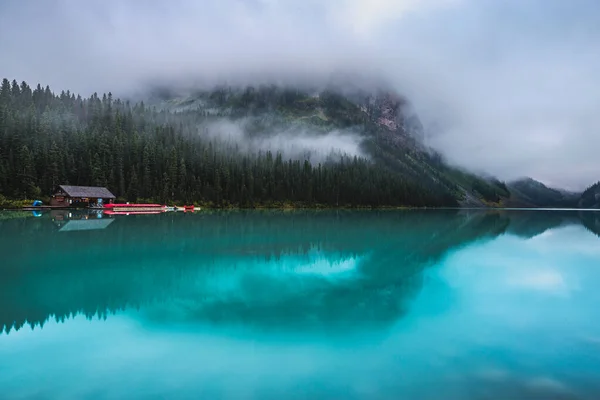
x,y
319,305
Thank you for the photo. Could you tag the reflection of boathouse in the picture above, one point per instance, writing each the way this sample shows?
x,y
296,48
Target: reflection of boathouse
x,y
81,196
68,221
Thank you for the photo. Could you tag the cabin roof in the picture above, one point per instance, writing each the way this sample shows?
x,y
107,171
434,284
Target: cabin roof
x,y
87,191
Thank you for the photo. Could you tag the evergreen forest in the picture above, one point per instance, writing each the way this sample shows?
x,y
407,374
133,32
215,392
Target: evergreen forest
x,y
144,153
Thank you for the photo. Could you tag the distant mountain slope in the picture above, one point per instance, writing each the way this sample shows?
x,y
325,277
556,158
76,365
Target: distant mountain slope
x,y
390,133
528,192
590,197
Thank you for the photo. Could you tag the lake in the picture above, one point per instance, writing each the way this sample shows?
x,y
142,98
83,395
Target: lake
x,y
300,305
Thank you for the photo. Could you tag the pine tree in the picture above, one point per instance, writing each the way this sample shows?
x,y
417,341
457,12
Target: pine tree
x,y
133,188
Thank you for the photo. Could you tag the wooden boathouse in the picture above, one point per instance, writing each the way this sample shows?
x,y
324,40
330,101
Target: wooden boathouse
x,y
81,196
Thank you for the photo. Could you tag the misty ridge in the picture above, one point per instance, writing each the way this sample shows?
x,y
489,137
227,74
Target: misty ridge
x,y
240,146
269,116
218,155
319,120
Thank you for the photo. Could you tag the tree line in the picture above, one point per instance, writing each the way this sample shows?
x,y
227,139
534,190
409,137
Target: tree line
x,y
144,154
590,198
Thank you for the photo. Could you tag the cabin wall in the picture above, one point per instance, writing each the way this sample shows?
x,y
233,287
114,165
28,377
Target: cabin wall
x,y
66,201
59,201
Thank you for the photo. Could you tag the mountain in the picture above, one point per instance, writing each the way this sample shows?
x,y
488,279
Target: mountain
x,y
590,197
335,145
389,132
244,149
528,192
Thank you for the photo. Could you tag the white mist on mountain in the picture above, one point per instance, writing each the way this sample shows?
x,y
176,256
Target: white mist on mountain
x,y
297,143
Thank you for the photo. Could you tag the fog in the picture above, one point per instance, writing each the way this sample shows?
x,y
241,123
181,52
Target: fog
x,y
503,87
296,143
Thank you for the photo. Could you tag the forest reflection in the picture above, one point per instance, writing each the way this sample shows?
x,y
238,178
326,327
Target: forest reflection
x,y
269,269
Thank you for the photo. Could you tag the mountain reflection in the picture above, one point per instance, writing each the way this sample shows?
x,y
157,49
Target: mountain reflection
x,y
272,270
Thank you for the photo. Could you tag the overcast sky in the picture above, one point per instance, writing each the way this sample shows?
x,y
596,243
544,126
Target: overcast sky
x,y
507,87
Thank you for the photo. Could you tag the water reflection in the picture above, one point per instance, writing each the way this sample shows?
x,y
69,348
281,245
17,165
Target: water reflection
x,y
490,305
73,220
342,271
523,312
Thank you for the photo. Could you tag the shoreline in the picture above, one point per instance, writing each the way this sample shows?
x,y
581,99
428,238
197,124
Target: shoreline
x,y
317,207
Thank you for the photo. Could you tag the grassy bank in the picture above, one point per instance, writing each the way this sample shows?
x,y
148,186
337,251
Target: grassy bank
x,y
13,204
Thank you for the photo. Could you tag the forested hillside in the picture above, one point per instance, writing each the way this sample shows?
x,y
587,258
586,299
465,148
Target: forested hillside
x,y
591,197
144,153
246,147
528,192
391,134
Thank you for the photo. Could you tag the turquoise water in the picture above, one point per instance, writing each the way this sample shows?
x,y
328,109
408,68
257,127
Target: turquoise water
x,y
272,305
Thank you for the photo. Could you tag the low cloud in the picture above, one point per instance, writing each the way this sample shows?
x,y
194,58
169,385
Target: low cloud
x,y
297,143
506,88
